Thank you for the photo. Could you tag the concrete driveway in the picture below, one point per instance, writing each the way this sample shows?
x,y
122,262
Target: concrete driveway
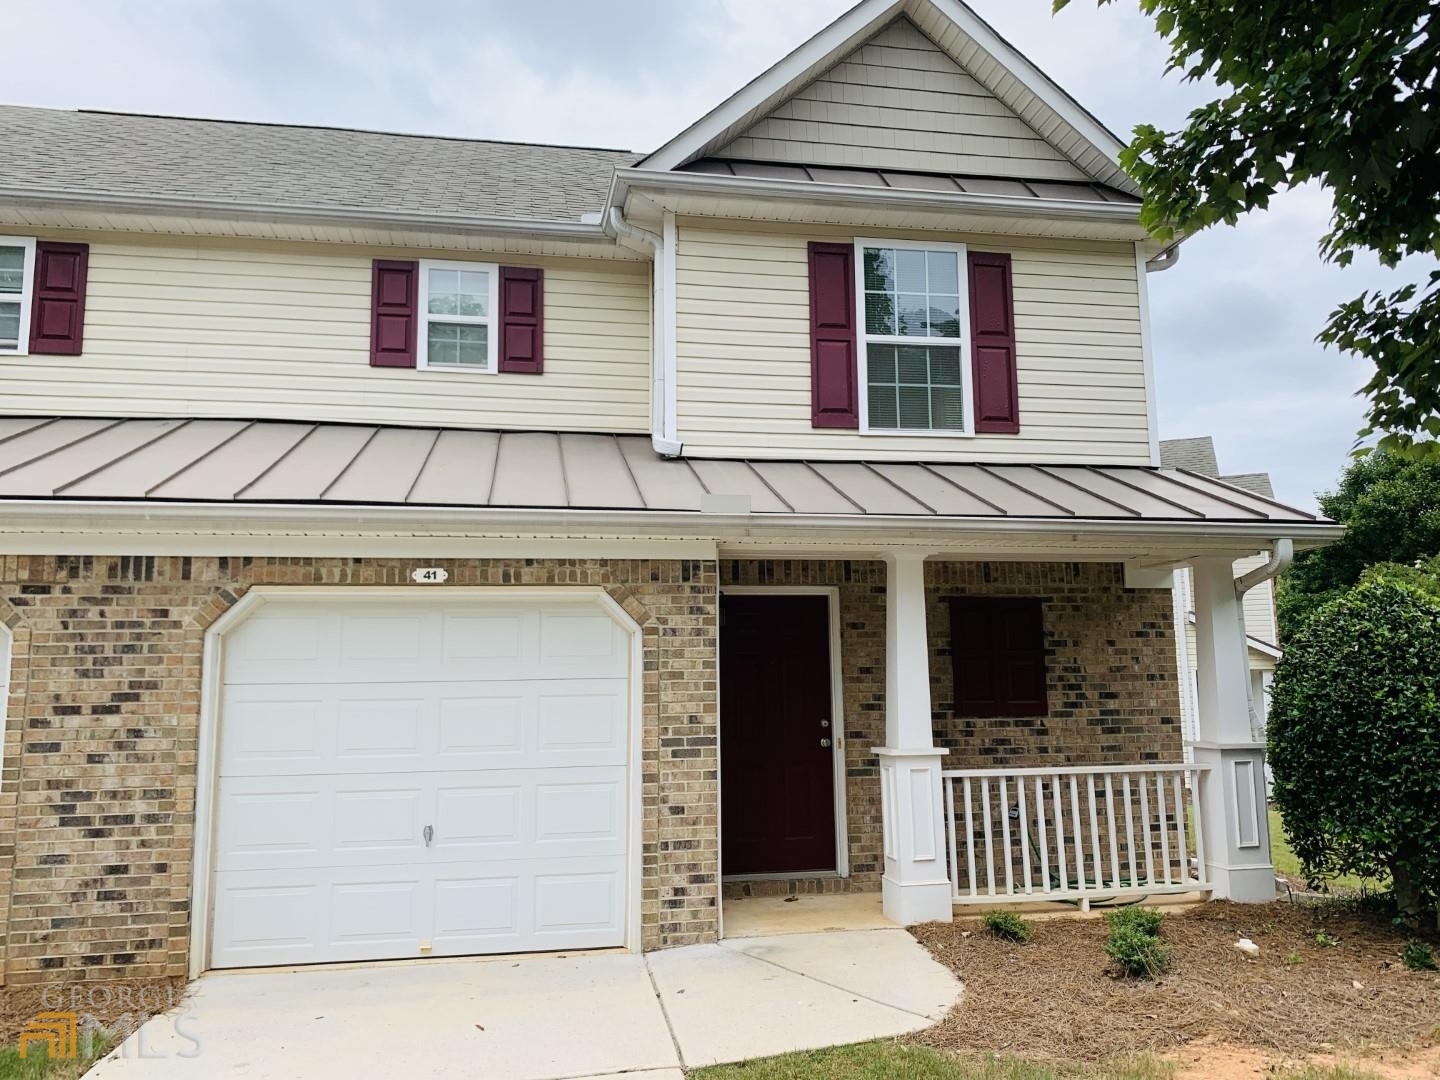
x,y
545,1017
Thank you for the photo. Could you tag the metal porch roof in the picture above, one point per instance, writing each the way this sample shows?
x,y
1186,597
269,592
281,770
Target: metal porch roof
x,y
265,461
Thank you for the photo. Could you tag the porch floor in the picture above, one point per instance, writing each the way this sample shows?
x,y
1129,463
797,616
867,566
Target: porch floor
x,y
766,916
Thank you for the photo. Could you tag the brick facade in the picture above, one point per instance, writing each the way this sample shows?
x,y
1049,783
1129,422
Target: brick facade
x,y
98,795
1113,691
98,791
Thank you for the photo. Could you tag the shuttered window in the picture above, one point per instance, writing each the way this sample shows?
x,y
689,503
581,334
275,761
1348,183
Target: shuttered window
x,y
458,302
913,317
997,649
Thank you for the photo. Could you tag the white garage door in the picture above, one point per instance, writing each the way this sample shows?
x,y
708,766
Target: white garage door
x,y
409,779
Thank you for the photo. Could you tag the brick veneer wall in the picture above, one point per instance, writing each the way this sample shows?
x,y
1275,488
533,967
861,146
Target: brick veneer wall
x,y
97,791
1114,695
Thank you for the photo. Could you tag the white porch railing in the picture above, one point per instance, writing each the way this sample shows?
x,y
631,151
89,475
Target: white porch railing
x,y
1078,834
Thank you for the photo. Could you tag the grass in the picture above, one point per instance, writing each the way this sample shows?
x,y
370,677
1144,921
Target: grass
x,y
886,1059
38,1065
1287,865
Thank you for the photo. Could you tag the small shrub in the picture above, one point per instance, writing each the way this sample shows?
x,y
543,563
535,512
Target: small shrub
x,y
1140,955
1326,941
1007,926
1145,920
1293,957
1418,956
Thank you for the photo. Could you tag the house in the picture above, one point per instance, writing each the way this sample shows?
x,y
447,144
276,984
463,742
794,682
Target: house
x,y
1261,631
419,546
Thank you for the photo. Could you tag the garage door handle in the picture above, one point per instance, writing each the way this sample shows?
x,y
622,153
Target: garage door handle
x,y
429,834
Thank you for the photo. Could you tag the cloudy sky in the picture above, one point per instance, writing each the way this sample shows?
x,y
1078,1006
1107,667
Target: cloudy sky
x,y
1234,323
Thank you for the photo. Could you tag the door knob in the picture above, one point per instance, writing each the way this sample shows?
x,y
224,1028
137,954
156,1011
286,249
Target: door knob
x,y
824,742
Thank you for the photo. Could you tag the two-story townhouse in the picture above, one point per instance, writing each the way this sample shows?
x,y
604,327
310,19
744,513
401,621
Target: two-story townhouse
x,y
419,546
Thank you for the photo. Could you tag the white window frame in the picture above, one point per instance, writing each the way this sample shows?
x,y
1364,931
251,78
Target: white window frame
x,y
863,340
422,344
27,292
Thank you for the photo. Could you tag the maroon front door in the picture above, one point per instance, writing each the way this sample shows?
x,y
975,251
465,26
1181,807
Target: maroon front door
x,y
777,781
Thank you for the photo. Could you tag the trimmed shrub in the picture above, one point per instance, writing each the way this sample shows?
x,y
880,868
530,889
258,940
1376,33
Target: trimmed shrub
x,y
1354,735
1146,920
1007,926
1139,955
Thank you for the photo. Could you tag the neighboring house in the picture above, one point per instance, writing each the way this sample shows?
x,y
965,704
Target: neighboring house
x,y
419,546
1197,455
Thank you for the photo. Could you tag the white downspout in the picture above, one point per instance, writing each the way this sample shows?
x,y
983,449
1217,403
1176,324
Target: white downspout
x,y
1281,556
662,365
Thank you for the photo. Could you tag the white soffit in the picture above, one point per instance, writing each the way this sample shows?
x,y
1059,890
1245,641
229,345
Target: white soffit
x,y
960,33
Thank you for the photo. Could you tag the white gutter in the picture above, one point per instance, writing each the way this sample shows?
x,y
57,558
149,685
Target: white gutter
x,y
1165,260
1282,554
871,197
661,249
237,210
110,515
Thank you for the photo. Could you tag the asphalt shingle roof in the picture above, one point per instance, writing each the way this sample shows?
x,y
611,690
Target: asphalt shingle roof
x,y
287,166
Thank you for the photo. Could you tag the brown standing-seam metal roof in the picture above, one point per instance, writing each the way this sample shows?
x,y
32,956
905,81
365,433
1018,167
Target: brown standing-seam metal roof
x,y
273,461
944,183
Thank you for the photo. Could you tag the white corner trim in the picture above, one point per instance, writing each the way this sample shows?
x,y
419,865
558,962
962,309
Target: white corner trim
x,y
1147,354
668,361
212,683
837,715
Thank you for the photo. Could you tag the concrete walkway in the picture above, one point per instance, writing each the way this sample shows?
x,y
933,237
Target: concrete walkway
x,y
546,1017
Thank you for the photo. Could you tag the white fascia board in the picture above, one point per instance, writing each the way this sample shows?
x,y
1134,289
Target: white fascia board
x,y
809,60
319,216
1124,216
92,525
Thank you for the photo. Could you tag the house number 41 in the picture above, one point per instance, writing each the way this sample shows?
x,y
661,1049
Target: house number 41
x,y
429,575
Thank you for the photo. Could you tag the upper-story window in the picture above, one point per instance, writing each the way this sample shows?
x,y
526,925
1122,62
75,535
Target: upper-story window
x,y
913,311
458,302
17,270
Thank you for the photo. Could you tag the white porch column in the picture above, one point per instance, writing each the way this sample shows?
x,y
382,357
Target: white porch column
x,y
915,887
1232,793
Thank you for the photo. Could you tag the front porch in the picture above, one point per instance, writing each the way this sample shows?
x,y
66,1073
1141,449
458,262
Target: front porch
x,y
1072,794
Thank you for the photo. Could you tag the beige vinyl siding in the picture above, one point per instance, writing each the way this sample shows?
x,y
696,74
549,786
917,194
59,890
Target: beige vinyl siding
x,y
899,102
743,351
225,329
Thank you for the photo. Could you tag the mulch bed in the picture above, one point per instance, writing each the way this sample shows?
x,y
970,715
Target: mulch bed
x,y
106,1002
1056,997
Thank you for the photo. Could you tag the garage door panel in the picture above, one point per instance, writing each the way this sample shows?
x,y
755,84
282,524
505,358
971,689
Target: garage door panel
x,y
477,914
578,906
395,729
268,919
582,722
347,731
290,730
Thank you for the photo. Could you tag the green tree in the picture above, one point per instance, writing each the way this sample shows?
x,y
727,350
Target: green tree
x,y
1390,506
1343,92
1354,734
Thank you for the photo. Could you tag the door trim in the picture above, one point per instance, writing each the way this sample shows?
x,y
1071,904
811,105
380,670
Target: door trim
x,y
212,682
837,720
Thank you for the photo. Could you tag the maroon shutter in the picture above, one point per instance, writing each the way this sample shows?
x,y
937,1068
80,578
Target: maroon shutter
x,y
997,649
992,326
522,320
834,364
393,315
57,320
